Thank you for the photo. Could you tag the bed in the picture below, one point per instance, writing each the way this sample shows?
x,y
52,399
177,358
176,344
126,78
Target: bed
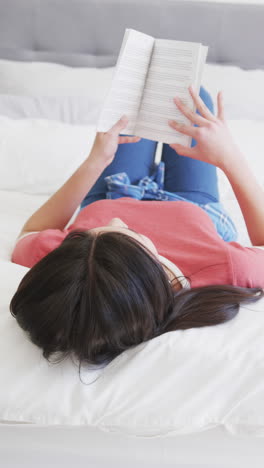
x,y
187,399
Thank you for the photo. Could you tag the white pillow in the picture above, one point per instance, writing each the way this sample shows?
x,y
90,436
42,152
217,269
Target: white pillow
x,y
243,89
80,110
52,79
178,383
38,156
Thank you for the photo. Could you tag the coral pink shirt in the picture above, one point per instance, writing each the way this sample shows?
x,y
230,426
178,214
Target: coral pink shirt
x,y
181,231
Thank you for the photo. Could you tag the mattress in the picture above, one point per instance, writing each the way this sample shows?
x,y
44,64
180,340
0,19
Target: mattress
x,y
24,446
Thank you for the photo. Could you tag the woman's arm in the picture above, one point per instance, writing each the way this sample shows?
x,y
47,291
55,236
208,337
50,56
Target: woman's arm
x,y
216,146
58,210
250,197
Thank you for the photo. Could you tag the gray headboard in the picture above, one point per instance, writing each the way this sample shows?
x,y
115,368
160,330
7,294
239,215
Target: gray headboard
x,y
89,32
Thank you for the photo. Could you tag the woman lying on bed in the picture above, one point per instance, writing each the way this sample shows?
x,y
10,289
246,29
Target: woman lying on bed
x,y
152,249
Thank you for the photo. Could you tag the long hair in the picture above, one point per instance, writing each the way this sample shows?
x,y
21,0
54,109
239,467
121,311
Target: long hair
x,y
95,296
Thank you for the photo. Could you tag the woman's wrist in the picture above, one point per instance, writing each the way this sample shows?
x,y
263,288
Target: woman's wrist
x,y
95,162
232,161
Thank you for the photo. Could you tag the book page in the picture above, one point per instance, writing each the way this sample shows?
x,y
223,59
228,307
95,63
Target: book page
x,y
125,94
175,65
204,52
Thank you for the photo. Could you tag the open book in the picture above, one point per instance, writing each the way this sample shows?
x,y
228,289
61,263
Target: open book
x,y
149,73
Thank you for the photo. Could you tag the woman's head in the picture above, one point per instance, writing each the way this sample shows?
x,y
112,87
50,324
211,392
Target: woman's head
x,y
104,290
117,225
99,293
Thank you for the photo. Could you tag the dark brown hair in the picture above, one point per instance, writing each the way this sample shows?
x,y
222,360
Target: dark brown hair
x,y
95,296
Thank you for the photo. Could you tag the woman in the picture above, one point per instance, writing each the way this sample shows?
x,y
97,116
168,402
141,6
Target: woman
x,y
133,267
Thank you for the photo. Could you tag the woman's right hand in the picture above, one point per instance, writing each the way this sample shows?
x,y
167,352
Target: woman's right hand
x,y
215,144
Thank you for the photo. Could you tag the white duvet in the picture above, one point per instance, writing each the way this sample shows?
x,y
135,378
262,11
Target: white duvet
x,y
181,382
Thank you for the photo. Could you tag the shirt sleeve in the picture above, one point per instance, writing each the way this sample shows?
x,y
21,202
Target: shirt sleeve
x,y
247,264
31,248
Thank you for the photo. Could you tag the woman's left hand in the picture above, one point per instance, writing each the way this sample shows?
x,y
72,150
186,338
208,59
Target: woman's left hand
x,y
106,143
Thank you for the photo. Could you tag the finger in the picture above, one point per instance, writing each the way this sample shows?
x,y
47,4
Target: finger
x,y
119,125
183,150
200,105
220,106
192,116
128,139
182,128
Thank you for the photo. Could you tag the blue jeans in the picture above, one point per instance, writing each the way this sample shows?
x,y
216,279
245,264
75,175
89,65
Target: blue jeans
x,y
192,179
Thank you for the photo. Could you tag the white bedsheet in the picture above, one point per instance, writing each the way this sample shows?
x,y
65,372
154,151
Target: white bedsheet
x,y
15,209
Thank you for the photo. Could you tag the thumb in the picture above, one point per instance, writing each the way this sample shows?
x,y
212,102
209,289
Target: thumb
x,y
182,150
119,125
